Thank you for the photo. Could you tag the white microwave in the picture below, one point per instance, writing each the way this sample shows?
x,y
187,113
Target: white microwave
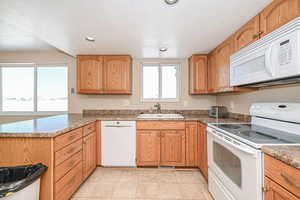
x,y
272,58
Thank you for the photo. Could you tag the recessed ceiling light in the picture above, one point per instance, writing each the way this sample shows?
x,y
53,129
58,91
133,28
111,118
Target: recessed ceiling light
x,y
171,2
163,49
90,39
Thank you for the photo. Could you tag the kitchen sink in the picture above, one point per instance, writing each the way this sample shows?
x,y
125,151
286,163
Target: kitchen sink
x,y
160,116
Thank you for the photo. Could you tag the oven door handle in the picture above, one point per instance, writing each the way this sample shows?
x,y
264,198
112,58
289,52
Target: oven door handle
x,y
223,138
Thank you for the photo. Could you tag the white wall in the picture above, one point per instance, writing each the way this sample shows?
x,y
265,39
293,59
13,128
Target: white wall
x,y
79,102
240,103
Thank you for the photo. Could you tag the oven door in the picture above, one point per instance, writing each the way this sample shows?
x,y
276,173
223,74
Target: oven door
x,y
237,166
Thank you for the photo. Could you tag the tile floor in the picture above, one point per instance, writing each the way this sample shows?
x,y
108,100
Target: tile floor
x,y
143,184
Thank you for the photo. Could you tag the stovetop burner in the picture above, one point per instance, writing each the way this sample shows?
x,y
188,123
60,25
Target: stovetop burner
x,y
259,134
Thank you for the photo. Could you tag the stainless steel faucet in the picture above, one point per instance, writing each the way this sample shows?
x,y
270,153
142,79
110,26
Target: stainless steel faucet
x,y
158,107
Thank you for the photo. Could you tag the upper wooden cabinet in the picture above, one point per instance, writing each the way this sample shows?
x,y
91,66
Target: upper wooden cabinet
x,y
117,74
247,34
198,74
97,74
90,74
278,13
212,74
222,62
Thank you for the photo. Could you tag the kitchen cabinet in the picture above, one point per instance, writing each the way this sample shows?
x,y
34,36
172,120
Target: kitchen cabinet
x,y
65,156
117,74
212,74
198,74
281,180
89,74
223,53
202,150
249,33
148,148
275,192
278,13
89,154
219,72
98,74
160,143
191,133
172,148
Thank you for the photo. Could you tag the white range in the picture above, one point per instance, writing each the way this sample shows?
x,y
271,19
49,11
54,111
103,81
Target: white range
x,y
235,159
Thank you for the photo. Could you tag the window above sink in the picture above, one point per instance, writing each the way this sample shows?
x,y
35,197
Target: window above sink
x,y
160,82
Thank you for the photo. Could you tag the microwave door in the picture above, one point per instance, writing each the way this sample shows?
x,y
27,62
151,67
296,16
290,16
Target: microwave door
x,y
252,68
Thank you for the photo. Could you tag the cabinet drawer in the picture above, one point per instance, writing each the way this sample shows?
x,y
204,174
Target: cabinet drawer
x,y
88,129
67,138
283,174
160,125
67,165
66,186
67,152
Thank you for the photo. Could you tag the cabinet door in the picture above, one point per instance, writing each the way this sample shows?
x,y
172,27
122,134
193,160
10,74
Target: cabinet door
x,y
117,74
275,192
148,148
211,74
202,148
223,53
247,34
89,154
172,148
198,74
89,74
191,144
278,13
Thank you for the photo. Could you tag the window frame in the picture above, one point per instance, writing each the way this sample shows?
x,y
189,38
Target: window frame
x,y
160,65
35,100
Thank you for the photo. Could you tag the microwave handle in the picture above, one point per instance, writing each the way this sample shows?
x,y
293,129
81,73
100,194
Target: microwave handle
x,y
213,132
268,60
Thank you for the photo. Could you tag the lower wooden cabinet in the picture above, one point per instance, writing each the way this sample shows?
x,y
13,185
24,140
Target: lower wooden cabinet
x,y
274,191
172,148
281,180
202,150
160,143
191,133
148,148
89,154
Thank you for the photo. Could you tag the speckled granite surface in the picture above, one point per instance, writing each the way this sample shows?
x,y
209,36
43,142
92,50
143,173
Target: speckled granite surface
x,y
287,154
45,127
56,125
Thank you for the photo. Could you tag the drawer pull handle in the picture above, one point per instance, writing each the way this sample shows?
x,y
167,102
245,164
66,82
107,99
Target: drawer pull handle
x,y
72,137
287,179
71,150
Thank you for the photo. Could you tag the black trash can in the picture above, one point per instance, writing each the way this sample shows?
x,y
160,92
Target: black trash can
x,y
21,182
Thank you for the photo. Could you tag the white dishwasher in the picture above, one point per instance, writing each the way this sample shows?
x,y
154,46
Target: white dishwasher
x,y
118,143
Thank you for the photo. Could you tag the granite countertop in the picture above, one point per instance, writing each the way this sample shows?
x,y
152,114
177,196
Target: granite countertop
x,y
59,124
286,153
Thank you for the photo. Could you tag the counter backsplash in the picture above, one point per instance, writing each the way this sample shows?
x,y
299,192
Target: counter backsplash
x,y
141,111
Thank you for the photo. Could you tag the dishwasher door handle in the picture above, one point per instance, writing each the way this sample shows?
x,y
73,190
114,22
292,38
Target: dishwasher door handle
x,y
117,126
